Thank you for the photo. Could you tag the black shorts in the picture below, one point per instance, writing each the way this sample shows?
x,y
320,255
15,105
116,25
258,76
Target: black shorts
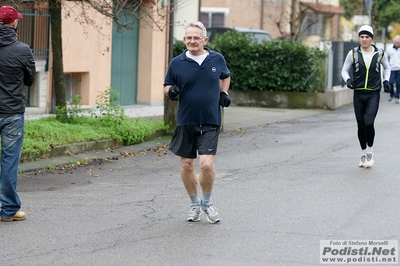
x,y
187,141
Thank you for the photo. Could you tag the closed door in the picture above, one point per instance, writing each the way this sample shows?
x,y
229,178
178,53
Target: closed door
x,y
125,63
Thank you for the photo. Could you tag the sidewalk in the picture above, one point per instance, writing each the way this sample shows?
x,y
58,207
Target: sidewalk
x,y
234,118
134,111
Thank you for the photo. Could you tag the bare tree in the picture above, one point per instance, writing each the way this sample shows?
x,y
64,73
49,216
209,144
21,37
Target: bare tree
x,y
124,13
298,15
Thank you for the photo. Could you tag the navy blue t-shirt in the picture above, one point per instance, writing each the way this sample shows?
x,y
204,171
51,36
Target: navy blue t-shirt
x,y
200,88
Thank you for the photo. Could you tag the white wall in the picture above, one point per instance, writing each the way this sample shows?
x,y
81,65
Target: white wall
x,y
185,12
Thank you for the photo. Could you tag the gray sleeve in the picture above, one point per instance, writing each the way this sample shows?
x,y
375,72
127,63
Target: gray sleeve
x,y
346,66
386,68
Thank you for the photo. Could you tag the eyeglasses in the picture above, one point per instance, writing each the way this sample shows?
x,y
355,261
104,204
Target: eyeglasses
x,y
196,39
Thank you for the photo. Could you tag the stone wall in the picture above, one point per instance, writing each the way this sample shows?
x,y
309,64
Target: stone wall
x,y
330,99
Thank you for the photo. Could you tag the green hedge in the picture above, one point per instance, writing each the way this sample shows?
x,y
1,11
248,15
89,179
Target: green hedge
x,y
271,65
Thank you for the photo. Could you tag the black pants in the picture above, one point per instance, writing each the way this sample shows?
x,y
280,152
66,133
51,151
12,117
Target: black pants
x,y
366,105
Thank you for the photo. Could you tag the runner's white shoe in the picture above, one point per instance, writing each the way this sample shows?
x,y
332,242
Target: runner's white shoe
x,y
370,160
194,213
210,211
363,160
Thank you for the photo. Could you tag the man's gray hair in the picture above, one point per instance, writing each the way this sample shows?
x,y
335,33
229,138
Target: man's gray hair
x,y
397,37
199,25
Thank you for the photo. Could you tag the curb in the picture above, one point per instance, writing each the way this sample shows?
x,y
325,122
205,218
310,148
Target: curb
x,y
74,148
108,150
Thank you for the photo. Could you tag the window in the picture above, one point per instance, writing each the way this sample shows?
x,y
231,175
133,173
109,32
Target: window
x,y
313,25
213,17
72,85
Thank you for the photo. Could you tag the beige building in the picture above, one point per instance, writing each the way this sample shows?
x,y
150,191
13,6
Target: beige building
x,y
96,57
321,17
186,11
133,62
87,56
102,57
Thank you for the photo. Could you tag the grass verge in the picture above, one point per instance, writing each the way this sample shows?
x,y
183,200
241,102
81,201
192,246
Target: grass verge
x,y
42,135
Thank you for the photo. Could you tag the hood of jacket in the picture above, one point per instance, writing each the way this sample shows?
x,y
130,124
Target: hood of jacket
x,y
7,36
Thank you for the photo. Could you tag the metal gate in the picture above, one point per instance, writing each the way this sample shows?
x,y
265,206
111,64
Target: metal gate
x,y
340,50
34,30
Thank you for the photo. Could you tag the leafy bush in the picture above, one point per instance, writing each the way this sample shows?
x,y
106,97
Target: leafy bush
x,y
271,65
107,107
179,47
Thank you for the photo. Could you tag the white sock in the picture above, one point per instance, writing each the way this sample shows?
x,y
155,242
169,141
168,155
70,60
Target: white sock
x,y
363,152
194,199
370,149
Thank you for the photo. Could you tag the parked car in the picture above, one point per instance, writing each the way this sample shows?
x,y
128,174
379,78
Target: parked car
x,y
259,35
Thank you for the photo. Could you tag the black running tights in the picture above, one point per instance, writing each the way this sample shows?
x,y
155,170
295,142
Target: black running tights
x,y
366,105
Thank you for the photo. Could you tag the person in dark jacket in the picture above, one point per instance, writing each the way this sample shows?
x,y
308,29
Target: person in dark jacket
x,y
366,61
17,69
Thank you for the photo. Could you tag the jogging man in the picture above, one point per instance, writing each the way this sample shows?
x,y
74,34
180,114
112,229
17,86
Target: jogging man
x,y
365,61
201,79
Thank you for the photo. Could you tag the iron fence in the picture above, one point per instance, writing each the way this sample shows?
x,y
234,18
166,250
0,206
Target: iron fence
x,y
34,30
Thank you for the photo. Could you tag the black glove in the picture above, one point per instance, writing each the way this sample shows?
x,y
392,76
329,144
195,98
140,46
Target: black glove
x,y
173,92
386,86
224,100
350,84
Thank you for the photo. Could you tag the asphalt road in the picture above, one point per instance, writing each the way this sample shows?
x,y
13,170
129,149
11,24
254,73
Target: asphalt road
x,y
281,188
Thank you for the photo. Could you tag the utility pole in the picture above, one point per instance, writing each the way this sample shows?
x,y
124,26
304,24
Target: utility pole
x,y
368,5
262,15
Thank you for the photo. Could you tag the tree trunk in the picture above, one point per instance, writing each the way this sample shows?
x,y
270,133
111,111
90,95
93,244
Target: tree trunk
x,y
56,46
170,107
170,111
293,26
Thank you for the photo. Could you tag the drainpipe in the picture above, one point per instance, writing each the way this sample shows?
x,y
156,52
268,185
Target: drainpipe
x,y
200,11
262,15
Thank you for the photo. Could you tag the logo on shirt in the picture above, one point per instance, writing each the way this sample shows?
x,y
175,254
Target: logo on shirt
x,y
214,69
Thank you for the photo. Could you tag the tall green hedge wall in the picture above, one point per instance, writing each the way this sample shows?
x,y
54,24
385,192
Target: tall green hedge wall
x,y
272,65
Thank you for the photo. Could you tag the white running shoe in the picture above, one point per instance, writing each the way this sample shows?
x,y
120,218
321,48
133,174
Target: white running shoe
x,y
194,213
363,160
210,211
370,160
